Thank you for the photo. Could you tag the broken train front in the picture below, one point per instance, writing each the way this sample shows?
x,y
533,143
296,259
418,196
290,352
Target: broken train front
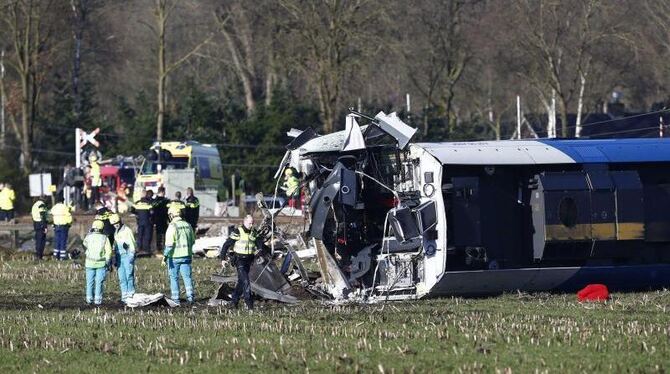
x,y
394,220
374,205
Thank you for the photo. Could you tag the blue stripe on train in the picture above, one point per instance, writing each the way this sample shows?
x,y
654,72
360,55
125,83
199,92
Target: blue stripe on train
x,y
620,278
613,150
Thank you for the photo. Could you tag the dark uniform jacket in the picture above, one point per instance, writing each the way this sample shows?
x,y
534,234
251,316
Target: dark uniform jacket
x,y
103,214
143,210
192,211
160,216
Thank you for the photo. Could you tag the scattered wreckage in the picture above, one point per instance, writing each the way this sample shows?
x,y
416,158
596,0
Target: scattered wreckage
x,y
349,233
394,220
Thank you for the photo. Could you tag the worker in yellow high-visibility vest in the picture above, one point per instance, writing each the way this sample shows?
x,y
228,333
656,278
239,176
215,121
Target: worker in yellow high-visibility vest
x,y
291,187
96,178
178,254
124,248
7,198
245,243
39,216
98,261
62,219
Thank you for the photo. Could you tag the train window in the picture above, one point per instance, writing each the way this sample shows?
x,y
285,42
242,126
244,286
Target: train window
x,y
567,212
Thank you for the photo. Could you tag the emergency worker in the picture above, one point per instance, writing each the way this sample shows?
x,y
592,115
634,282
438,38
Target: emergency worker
x,y
177,202
124,252
62,220
143,210
98,261
291,187
160,218
7,198
96,177
39,215
178,254
192,209
102,213
245,243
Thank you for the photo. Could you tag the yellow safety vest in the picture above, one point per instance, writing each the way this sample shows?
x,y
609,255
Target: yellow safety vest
x,y
7,197
103,216
124,235
61,214
179,204
292,185
180,237
195,203
245,242
142,205
96,180
39,211
98,250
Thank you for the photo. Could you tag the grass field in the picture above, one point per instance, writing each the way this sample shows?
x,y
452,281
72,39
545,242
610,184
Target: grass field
x,y
45,326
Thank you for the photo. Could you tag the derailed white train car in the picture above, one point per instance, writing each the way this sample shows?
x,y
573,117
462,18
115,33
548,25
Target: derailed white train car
x,y
396,220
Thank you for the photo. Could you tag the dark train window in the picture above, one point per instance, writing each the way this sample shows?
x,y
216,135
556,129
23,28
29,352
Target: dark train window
x,y
567,212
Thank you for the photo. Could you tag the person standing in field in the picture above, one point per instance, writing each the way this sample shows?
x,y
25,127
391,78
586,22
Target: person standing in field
x,y
160,218
192,209
177,202
124,253
143,209
39,216
178,254
98,261
62,219
245,243
7,198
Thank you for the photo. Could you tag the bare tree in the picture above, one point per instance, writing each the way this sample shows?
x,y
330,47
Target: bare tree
x,y
437,62
81,10
329,39
162,11
557,39
249,42
29,31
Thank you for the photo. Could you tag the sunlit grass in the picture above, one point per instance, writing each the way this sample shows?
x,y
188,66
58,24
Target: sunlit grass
x,y
44,325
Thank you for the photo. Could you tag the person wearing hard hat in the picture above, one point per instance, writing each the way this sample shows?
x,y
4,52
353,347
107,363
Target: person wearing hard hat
x,y
39,215
98,261
291,187
7,198
124,253
96,177
178,254
245,243
62,219
103,213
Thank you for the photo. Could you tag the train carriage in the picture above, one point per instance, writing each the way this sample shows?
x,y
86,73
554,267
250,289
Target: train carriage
x,y
408,220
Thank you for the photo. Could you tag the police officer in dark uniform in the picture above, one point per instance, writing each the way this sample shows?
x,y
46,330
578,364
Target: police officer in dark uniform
x,y
161,219
143,211
245,243
192,209
39,215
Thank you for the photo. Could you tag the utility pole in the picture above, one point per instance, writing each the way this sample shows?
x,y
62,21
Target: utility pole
x,y
2,99
518,116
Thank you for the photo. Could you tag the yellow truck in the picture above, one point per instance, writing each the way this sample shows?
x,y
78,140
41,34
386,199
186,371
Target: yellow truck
x,y
204,159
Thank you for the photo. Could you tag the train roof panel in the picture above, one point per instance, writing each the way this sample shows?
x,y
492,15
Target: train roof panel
x,y
551,151
517,152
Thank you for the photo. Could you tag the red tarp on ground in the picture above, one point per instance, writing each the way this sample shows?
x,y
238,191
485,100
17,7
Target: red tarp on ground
x,y
593,292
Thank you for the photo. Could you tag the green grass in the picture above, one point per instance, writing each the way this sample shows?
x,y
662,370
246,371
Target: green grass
x,y
44,326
